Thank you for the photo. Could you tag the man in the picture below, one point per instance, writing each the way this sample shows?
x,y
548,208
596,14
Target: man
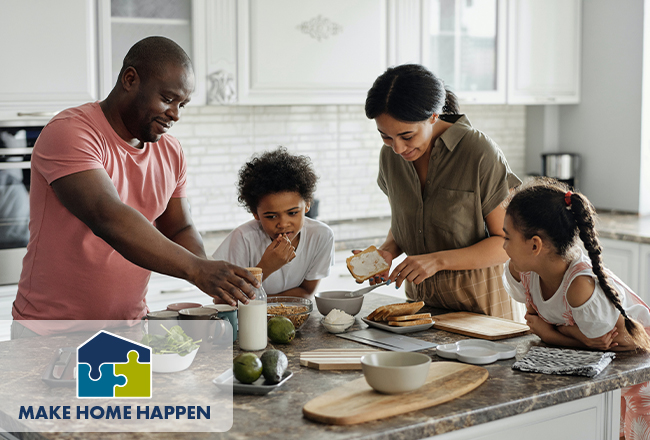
x,y
108,202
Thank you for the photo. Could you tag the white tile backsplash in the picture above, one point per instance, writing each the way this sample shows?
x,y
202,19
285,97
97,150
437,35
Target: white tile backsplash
x,y
342,143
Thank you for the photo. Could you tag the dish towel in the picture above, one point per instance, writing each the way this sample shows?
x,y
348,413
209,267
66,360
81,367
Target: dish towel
x,y
564,361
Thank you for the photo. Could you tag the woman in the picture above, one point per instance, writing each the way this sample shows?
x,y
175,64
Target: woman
x,y
445,182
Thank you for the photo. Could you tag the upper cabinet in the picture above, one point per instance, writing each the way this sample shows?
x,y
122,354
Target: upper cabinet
x,y
463,43
544,39
49,55
504,51
295,51
126,22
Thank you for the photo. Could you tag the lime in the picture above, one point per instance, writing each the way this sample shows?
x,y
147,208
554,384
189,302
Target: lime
x,y
280,329
247,367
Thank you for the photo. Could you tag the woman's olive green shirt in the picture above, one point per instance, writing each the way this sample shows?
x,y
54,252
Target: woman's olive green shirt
x,y
467,178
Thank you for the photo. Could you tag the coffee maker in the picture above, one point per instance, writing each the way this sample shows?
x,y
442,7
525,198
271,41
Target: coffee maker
x,y
562,166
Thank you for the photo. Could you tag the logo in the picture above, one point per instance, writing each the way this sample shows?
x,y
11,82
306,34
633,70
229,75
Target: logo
x,y
111,366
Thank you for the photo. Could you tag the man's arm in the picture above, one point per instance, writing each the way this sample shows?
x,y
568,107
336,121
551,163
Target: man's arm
x,y
305,290
92,198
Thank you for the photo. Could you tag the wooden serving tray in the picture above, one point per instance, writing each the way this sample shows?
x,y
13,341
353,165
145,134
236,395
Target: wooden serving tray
x,y
355,402
479,326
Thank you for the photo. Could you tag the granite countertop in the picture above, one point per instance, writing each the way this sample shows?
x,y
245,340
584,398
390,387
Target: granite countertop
x,y
278,415
628,227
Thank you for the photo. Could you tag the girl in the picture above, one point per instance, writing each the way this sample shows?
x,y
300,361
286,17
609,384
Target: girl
x,y
294,251
572,300
445,182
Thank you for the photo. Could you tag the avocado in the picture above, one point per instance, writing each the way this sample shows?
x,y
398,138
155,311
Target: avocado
x,y
280,329
247,367
274,363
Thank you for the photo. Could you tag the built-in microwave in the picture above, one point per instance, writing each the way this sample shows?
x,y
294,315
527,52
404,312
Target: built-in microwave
x,y
16,144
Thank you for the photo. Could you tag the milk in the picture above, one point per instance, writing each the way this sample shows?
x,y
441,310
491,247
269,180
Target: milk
x,y
252,325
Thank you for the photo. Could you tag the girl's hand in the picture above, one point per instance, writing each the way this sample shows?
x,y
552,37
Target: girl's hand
x,y
277,254
416,269
538,326
384,275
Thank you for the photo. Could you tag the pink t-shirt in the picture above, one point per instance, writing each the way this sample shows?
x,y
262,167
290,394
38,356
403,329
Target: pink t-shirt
x,y
69,272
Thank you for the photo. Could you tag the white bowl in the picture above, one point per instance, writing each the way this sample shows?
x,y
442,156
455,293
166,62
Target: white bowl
x,y
337,328
172,362
395,372
336,299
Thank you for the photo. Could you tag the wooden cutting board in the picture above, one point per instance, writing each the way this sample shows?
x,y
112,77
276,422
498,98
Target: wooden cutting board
x,y
355,402
334,359
479,326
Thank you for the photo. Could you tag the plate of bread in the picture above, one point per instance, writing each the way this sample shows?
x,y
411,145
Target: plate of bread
x,y
400,318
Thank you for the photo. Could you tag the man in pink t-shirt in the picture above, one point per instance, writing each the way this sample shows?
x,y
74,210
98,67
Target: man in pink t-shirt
x,y
108,202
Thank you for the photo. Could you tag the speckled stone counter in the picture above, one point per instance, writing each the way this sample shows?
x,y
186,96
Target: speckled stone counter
x,y
628,227
278,415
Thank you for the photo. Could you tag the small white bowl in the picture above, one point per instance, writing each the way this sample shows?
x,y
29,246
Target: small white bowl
x,y
172,362
395,372
337,328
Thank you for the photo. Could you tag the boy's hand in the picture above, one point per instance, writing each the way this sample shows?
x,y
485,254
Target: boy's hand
x,y
277,254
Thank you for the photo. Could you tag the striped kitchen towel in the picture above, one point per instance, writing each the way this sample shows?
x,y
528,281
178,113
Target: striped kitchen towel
x,y
564,361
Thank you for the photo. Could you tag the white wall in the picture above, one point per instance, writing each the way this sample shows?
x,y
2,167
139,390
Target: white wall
x,y
341,142
605,128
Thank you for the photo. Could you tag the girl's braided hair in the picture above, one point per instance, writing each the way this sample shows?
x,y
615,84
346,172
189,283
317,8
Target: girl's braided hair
x,y
540,208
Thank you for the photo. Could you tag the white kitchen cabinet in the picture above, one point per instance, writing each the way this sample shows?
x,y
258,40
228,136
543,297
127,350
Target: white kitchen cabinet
x,y
125,22
644,273
622,258
592,418
49,56
295,52
464,43
544,51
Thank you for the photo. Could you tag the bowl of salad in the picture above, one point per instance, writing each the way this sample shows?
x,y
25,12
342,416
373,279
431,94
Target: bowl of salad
x,y
172,352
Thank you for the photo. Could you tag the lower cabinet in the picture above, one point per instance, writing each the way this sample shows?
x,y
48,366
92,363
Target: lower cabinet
x,y
591,418
630,261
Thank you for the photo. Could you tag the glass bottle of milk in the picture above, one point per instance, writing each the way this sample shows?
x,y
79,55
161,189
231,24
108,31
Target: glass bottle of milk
x,y
252,318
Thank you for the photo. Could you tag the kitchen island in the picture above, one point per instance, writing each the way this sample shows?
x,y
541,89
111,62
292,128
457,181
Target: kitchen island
x,y
547,399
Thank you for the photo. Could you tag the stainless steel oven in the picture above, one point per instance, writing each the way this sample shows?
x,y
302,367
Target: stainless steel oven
x,y
16,144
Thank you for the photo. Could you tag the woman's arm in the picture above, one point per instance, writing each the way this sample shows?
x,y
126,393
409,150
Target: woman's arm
x,y
305,290
485,253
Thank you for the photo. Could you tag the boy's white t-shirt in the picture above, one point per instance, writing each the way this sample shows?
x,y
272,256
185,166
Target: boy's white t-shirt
x,y
595,317
245,246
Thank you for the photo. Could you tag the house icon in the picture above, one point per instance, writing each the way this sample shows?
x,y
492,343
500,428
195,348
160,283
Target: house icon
x,y
112,366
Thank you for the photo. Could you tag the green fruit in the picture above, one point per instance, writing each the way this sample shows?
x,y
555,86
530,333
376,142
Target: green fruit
x,y
280,329
247,367
274,363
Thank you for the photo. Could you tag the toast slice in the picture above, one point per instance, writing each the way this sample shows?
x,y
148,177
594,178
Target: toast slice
x,y
410,323
401,309
366,264
409,317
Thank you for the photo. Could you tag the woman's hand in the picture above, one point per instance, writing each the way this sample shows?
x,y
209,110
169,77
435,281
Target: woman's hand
x,y
277,254
384,275
416,269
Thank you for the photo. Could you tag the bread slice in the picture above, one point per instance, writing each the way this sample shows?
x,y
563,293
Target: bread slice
x,y
366,264
409,317
401,309
410,323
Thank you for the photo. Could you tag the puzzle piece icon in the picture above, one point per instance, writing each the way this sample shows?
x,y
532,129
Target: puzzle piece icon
x,y
103,387
105,347
138,376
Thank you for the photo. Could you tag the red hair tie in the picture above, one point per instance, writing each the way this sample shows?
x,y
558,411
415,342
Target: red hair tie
x,y
567,198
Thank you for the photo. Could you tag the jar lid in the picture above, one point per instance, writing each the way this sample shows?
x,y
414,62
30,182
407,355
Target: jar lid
x,y
256,271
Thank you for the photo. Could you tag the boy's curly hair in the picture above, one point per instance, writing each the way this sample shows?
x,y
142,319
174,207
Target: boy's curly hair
x,y
275,172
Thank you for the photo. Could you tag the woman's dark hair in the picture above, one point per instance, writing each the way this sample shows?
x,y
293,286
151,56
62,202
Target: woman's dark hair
x,y
540,208
410,93
274,172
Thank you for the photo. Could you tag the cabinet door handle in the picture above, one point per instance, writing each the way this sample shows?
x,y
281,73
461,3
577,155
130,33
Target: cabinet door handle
x,y
37,114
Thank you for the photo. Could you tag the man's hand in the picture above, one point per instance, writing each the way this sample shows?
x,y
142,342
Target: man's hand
x,y
225,282
277,254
